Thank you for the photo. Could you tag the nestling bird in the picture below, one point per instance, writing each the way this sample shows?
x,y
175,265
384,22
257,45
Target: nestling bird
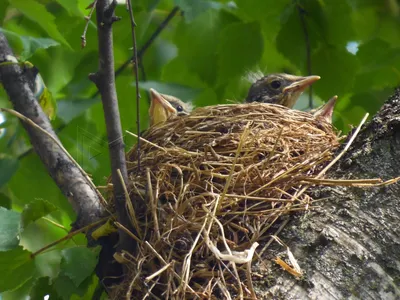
x,y
283,89
325,111
164,106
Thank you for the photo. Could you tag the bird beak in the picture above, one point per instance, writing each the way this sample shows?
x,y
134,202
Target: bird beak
x,y
160,108
301,84
326,110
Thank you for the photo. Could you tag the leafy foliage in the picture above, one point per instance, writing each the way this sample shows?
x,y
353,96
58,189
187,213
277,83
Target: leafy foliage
x,y
204,54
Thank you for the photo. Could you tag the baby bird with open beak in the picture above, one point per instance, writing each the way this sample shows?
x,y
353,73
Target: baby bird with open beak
x,y
325,111
283,89
164,106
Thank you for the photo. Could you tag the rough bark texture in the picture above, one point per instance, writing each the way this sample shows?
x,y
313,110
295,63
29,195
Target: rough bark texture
x,y
105,82
64,172
350,247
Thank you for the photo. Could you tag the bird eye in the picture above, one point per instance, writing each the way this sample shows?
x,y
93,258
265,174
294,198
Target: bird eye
x,y
276,84
179,108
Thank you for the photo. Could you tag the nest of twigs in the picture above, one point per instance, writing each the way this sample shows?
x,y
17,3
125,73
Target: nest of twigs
x,y
211,184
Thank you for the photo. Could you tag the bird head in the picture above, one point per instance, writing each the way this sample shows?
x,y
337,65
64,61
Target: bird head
x,y
325,111
164,106
283,89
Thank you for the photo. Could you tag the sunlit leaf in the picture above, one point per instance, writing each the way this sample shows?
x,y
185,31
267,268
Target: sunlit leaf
x,y
36,210
48,103
38,13
30,44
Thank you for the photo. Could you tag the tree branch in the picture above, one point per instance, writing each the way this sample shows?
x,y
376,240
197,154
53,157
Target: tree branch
x,y
105,82
72,182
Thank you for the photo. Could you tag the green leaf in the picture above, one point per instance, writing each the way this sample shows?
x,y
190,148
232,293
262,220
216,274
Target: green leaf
x,y
337,69
36,210
21,292
202,33
9,229
149,5
66,288
38,13
78,263
42,288
238,40
5,201
8,166
380,66
30,44
335,32
176,90
43,95
17,267
47,102
290,38
70,109
177,71
3,11
37,184
372,52
267,12
71,6
207,97
366,22
192,8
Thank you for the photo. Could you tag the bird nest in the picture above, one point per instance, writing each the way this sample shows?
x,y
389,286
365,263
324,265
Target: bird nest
x,y
209,188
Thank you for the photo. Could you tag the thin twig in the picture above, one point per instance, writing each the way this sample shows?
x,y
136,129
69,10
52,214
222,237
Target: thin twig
x,y
153,204
68,236
136,74
83,37
128,232
150,41
130,208
164,268
146,141
165,263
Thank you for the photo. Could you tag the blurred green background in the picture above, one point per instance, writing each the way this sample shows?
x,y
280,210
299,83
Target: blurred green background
x,y
208,53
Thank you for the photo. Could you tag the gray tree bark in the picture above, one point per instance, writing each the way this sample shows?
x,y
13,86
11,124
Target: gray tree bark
x,y
349,248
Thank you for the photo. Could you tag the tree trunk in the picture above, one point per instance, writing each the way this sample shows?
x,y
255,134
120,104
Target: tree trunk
x,y
349,248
